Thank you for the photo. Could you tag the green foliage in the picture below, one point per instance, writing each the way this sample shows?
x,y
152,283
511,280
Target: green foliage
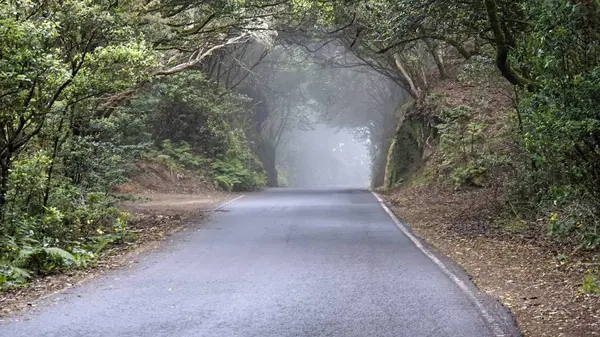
x,y
184,155
56,241
232,174
65,68
551,51
58,159
471,174
177,157
559,121
199,127
591,283
476,72
11,276
187,109
237,171
45,259
462,146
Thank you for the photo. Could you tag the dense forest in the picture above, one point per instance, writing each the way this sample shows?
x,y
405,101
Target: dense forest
x,y
89,88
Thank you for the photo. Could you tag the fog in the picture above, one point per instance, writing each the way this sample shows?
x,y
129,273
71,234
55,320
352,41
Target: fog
x,y
324,156
324,118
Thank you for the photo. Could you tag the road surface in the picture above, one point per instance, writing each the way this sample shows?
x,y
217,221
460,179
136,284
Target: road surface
x,y
275,263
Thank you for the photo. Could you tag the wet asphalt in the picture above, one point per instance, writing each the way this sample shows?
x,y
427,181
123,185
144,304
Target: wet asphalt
x,y
283,262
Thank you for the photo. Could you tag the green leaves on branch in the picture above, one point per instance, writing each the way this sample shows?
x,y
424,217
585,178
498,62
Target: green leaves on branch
x,y
232,174
560,125
58,61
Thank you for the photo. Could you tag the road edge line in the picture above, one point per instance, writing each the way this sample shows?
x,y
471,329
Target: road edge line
x,y
220,206
45,297
493,324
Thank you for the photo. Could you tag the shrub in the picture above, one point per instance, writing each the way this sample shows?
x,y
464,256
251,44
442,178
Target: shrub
x,y
560,125
232,174
462,146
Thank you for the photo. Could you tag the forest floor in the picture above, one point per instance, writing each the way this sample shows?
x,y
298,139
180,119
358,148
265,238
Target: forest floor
x,y
521,269
515,261
160,204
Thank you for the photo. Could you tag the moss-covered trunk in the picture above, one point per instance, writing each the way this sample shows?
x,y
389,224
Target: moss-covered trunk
x,y
408,148
267,155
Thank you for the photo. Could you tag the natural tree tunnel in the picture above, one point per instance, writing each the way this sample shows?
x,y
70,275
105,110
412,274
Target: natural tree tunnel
x,y
480,114
310,109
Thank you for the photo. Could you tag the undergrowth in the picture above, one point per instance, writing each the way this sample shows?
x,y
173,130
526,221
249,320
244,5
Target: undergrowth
x,y
60,212
511,150
524,151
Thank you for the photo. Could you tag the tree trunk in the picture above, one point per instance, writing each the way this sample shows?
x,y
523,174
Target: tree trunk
x,y
4,174
55,148
414,90
267,154
272,178
437,57
503,47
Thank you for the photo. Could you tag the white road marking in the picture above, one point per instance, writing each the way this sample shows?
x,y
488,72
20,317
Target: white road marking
x,y
492,323
227,203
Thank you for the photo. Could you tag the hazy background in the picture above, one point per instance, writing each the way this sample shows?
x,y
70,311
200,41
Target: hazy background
x,y
320,116
324,156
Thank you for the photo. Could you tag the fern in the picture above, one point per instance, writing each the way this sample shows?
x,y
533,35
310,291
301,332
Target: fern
x,y
231,174
99,243
20,273
25,254
60,253
45,257
11,276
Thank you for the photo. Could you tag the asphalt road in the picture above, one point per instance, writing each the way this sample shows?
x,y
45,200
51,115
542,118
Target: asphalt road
x,y
275,263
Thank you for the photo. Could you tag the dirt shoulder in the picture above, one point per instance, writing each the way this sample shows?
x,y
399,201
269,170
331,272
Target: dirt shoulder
x,y
183,205
154,218
524,274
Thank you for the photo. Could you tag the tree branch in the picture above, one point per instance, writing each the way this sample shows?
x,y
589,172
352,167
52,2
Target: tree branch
x,y
201,56
502,47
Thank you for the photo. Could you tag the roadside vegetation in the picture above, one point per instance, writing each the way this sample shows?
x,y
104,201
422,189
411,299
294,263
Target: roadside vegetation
x,y
66,144
494,159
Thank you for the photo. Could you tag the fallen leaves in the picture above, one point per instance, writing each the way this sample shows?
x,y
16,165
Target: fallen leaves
x,y
520,269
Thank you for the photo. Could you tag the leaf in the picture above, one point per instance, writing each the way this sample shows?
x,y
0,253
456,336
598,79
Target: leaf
x,y
20,273
61,253
25,254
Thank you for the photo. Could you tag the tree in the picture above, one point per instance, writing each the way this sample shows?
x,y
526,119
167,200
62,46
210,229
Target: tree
x,y
57,55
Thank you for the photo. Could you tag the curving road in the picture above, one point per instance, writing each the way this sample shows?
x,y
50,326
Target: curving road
x,y
283,262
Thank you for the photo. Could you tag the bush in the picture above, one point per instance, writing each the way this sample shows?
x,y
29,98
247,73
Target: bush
x,y
184,155
59,203
187,109
232,174
591,283
200,127
462,146
560,125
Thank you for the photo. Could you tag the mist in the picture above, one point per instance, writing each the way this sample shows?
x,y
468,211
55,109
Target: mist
x,y
324,157
320,118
